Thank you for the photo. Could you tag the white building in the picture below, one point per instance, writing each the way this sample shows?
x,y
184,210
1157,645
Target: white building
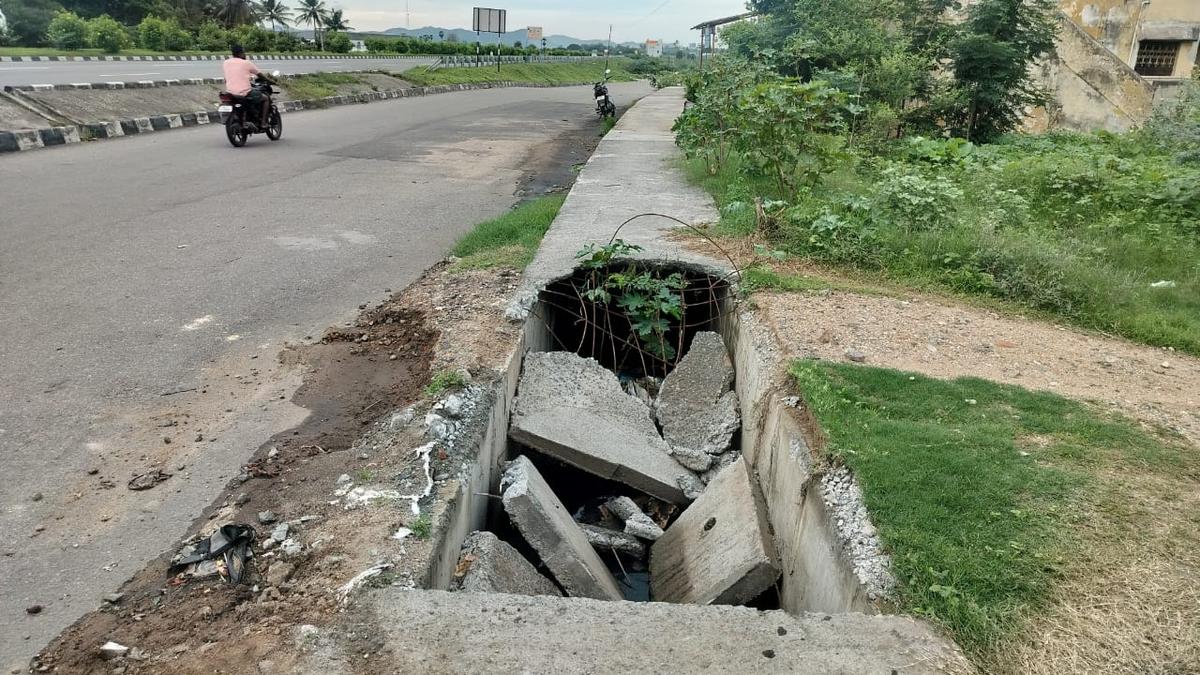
x,y
654,48
3,20
359,46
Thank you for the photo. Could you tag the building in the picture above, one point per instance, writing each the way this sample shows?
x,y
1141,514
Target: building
x,y
654,48
1115,60
358,46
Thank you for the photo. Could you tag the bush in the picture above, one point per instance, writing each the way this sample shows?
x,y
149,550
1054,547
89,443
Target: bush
x,y
213,38
286,42
254,38
338,43
109,35
68,31
152,33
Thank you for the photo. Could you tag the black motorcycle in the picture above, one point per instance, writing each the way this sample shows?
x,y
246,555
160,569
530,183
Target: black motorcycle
x,y
604,103
241,119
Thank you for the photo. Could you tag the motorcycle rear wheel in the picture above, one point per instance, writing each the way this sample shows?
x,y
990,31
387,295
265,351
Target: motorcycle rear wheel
x,y
235,132
275,130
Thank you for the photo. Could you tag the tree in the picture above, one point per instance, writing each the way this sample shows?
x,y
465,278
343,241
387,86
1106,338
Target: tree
x,y
276,12
339,43
68,31
998,43
313,12
29,19
109,35
213,38
238,12
335,22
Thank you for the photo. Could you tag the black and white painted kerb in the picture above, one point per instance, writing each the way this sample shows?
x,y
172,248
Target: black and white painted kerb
x,y
208,57
31,139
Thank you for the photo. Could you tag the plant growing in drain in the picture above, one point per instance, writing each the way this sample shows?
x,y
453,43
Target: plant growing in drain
x,y
647,299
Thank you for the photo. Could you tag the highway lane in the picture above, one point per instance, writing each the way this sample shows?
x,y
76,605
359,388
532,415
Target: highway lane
x,y
68,72
154,264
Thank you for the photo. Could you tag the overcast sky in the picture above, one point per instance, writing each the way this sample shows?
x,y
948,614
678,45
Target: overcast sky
x,y
632,20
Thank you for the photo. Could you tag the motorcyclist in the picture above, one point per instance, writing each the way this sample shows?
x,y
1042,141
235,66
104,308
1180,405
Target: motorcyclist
x,y
239,81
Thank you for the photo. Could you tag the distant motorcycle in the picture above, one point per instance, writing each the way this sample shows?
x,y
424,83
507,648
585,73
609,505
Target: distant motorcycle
x,y
604,103
241,119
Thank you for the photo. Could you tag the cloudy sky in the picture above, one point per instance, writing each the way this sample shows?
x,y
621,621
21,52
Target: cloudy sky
x,y
632,20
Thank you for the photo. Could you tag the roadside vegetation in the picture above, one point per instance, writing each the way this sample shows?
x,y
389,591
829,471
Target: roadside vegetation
x,y
510,240
321,85
863,159
532,73
993,500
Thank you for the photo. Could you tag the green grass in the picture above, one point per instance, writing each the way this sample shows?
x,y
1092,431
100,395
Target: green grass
x,y
50,51
1073,227
422,527
532,73
976,487
510,240
444,381
320,85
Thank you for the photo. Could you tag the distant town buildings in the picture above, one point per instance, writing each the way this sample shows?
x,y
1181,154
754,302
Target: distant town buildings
x,y
654,48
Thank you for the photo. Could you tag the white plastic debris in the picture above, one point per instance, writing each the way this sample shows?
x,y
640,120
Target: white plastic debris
x,y
344,592
111,650
424,451
361,496
1163,284
401,534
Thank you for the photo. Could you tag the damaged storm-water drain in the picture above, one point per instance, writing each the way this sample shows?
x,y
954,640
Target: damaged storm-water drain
x,y
619,473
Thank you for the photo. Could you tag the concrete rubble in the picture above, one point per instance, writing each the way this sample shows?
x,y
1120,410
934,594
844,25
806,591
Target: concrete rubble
x,y
637,523
574,409
489,565
698,409
606,540
548,527
720,550
857,535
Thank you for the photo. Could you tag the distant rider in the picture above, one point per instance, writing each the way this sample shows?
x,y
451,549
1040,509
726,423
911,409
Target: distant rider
x,y
239,81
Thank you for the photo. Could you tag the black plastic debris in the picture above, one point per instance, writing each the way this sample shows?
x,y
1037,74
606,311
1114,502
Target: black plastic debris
x,y
223,553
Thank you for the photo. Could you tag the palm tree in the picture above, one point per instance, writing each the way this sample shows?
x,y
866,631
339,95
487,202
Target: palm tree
x,y
335,22
314,13
275,12
238,12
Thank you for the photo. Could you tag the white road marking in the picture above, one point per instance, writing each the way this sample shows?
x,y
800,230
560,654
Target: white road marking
x,y
25,68
197,323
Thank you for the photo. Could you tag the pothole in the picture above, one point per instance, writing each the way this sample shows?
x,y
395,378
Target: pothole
x,y
651,465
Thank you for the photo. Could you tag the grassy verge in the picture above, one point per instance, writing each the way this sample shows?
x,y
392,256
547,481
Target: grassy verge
x,y
1099,231
510,240
992,499
320,85
533,73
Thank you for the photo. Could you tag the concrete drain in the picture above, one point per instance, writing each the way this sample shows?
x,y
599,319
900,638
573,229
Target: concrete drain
x,y
616,472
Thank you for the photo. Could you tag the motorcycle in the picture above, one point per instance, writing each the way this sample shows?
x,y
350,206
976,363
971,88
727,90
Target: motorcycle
x,y
241,122
604,103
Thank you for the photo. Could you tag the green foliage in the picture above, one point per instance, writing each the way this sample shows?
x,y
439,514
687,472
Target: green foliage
x,y
992,56
708,127
791,131
446,380
212,37
1175,125
28,20
68,31
977,519
163,35
647,298
536,73
422,527
510,240
338,43
109,35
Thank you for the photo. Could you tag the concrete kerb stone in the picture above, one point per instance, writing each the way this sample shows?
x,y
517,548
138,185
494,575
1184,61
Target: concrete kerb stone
x,y
490,565
573,409
720,550
697,408
548,527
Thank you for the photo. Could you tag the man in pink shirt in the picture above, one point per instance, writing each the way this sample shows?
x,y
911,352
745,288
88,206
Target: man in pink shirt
x,y
239,80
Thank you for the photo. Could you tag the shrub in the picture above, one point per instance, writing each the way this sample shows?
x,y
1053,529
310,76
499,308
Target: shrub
x,y
152,33
68,31
213,38
109,35
339,43
916,201
791,130
254,38
286,42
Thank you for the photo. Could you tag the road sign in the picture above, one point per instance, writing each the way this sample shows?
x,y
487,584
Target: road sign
x,y
488,20
535,33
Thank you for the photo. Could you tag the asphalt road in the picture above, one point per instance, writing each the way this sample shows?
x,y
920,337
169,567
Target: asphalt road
x,y
135,268
67,72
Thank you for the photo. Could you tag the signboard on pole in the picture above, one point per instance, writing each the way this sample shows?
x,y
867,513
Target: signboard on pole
x,y
535,33
488,20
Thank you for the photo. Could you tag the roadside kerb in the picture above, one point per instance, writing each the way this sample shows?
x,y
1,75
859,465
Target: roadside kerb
x,y
31,139
213,57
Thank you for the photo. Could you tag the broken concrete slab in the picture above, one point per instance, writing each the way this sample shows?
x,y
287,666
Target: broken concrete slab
x,y
574,410
720,463
489,565
696,407
720,550
604,539
548,527
436,631
636,521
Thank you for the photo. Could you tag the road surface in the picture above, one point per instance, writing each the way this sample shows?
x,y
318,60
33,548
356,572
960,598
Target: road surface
x,y
140,267
68,72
